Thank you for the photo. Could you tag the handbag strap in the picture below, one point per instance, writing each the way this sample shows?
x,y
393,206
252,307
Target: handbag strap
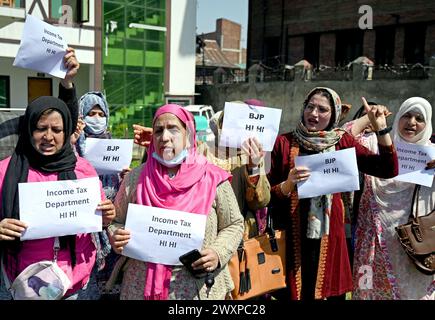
x,y
5,276
271,231
56,248
414,200
269,223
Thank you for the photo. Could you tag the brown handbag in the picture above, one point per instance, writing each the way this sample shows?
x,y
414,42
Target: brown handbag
x,y
417,238
258,266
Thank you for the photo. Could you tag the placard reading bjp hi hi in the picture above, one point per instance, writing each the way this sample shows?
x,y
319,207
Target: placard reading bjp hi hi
x,y
60,208
109,155
242,121
162,235
42,48
331,172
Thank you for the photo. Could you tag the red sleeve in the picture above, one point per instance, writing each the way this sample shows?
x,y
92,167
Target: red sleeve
x,y
280,165
383,165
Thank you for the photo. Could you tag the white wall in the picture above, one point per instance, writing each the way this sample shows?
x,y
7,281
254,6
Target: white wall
x,y
182,48
74,36
18,81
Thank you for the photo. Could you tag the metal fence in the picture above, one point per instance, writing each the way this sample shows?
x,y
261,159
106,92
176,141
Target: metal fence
x,y
281,72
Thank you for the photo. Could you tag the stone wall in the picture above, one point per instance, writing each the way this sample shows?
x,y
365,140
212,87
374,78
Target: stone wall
x,y
289,95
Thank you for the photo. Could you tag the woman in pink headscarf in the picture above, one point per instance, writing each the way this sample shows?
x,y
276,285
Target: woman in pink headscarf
x,y
175,177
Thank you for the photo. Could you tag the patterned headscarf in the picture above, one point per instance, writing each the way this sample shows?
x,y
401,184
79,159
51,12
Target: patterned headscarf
x,y
91,99
320,140
86,103
111,182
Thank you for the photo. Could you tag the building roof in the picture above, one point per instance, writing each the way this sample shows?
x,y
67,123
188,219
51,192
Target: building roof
x,y
213,56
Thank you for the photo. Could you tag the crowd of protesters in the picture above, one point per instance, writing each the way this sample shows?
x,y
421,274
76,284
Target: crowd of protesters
x,y
231,189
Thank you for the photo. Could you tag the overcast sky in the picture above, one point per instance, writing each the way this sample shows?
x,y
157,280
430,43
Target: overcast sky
x,y
209,11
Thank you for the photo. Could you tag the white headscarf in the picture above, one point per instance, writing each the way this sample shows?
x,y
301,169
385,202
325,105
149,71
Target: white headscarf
x,y
421,106
387,190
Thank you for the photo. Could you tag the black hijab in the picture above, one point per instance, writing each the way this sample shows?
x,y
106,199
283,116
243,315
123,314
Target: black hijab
x,y
26,155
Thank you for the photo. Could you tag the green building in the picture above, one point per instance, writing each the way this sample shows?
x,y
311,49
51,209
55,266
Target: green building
x,y
133,57
140,53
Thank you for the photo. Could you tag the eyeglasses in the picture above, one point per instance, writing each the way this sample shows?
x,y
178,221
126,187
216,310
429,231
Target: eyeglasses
x,y
322,110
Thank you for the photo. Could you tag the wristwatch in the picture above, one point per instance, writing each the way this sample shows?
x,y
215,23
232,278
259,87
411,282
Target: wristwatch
x,y
383,131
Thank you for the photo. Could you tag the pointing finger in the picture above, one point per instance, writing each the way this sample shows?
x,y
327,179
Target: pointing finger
x,y
366,105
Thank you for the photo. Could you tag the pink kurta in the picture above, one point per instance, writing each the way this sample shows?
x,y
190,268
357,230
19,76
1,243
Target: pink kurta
x,y
42,249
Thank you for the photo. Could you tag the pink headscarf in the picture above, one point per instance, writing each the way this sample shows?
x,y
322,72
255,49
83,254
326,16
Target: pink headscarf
x,y
193,190
255,102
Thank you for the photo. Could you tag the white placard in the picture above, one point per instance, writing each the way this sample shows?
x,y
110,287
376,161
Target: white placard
x,y
42,48
109,155
242,122
59,208
412,161
161,235
331,172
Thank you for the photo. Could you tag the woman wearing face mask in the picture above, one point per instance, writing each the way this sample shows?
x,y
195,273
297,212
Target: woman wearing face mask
x,y
176,177
43,154
385,204
94,112
317,258
94,116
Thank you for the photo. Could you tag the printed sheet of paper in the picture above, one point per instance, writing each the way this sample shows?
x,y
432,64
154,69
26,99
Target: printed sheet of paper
x,y
161,235
59,208
331,172
42,48
412,163
242,122
109,155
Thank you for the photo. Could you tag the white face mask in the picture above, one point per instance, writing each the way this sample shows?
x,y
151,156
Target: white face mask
x,y
174,161
96,124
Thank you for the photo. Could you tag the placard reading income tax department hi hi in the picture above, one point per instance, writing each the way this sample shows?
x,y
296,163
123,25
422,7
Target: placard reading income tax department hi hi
x,y
412,163
42,48
161,235
59,208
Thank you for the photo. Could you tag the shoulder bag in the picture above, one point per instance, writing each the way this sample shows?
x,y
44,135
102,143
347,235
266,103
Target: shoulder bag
x,y
259,265
43,280
417,237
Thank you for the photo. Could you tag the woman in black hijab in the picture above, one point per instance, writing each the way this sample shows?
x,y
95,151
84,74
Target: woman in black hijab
x,y
44,153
